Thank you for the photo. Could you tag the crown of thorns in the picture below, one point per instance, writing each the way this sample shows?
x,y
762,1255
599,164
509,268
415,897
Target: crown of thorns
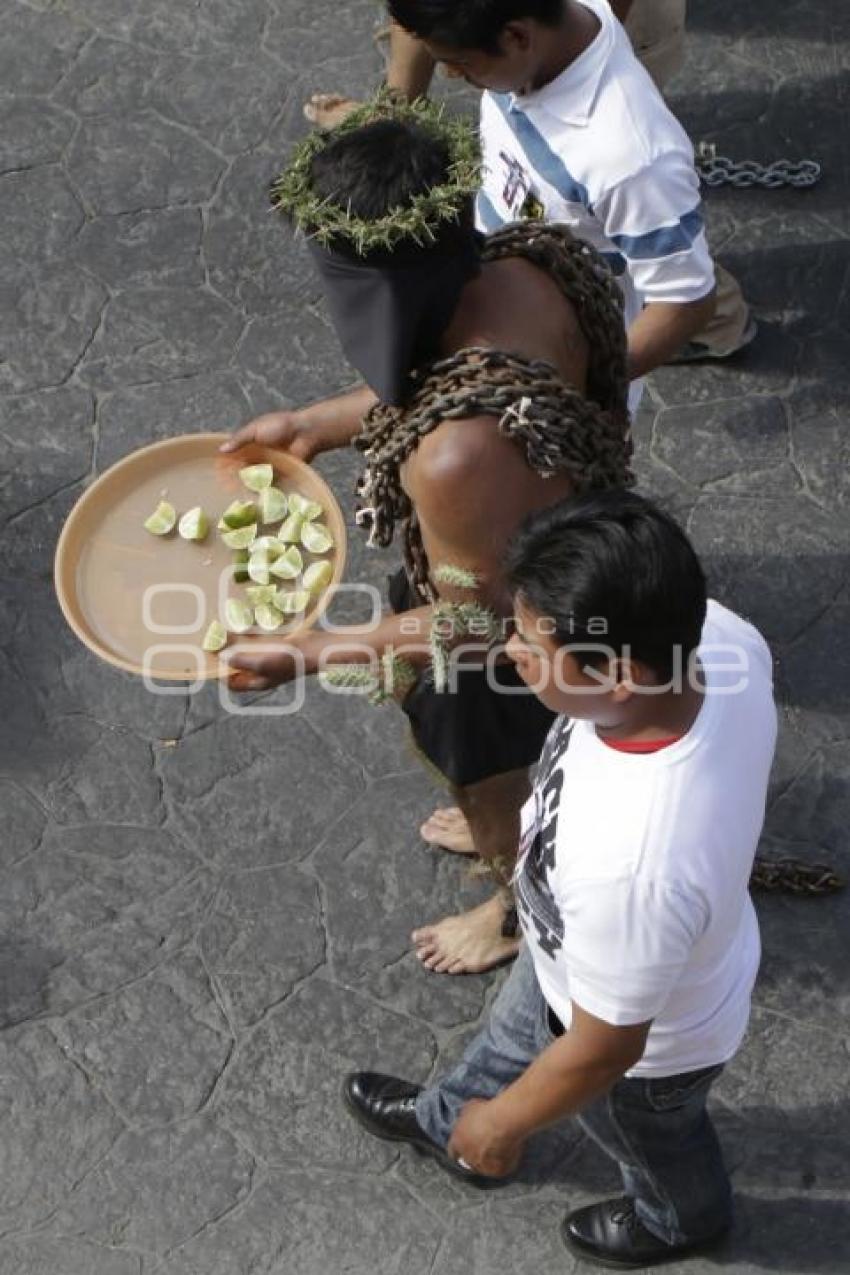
x,y
418,221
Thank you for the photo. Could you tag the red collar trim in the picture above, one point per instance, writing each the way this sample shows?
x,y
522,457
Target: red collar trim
x,y
640,745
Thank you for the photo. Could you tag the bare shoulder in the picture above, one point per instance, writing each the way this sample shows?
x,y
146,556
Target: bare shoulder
x,y
458,470
459,449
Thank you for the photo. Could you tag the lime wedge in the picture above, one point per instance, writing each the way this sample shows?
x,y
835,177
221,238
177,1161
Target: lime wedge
x,y
241,538
289,565
268,617
256,477
318,576
240,566
316,538
215,637
258,568
259,593
194,525
290,532
162,519
269,545
293,603
308,509
238,615
272,505
240,514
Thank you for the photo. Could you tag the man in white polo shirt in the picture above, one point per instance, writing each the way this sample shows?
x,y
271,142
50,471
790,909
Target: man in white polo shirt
x,y
641,943
573,127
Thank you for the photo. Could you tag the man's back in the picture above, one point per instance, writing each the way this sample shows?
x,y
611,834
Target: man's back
x,y
470,485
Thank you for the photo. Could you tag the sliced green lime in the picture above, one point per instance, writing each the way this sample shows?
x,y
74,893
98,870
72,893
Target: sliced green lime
x,y
215,637
290,532
258,568
259,593
268,617
308,509
289,565
162,519
194,525
241,538
273,505
238,615
240,566
316,538
293,603
257,477
269,545
318,576
240,514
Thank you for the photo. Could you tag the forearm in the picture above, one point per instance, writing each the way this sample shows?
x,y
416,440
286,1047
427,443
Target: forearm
x,y
662,328
560,1082
406,633
338,419
411,65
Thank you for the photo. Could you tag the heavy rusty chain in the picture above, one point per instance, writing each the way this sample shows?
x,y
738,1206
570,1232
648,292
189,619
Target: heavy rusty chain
x,y
794,876
716,170
560,428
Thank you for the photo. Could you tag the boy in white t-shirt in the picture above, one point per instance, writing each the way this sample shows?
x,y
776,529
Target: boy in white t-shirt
x,y
633,986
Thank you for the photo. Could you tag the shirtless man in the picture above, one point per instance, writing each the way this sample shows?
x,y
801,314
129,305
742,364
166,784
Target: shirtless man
x,y
432,289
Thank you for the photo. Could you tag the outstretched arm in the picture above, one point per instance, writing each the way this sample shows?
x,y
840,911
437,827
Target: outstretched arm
x,y
308,431
471,488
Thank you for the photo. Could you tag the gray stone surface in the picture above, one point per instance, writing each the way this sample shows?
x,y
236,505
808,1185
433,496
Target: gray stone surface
x,y
205,915
282,1093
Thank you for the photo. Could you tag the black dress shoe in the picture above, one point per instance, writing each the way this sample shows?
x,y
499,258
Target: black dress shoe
x,y
386,1106
612,1234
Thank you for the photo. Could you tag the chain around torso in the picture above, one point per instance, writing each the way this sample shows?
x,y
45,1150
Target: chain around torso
x,y
567,411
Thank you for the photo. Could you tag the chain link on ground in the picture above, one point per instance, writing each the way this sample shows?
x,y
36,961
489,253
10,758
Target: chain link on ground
x,y
717,170
794,876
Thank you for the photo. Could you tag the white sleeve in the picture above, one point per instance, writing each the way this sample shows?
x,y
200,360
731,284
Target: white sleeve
x,y
626,943
655,219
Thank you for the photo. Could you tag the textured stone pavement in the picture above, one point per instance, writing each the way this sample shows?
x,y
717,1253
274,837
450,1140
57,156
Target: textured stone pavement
x,y
203,917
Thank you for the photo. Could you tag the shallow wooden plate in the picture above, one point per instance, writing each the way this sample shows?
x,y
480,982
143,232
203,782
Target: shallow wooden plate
x,y
143,603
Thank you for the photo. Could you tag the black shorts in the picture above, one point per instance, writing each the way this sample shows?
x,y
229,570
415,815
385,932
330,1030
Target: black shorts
x,y
474,732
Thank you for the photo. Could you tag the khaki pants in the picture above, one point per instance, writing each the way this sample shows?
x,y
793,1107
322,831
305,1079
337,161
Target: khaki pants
x,y
656,29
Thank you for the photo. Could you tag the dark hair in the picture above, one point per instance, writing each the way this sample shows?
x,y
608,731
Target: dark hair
x,y
612,556
470,24
379,167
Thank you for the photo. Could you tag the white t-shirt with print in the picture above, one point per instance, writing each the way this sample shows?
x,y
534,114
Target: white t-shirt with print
x,y
632,883
600,151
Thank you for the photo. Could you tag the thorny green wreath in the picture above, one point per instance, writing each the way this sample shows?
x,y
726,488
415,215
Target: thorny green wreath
x,y
420,220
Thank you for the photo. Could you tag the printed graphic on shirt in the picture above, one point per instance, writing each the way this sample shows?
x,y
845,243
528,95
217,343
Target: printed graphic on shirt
x,y
535,902
516,185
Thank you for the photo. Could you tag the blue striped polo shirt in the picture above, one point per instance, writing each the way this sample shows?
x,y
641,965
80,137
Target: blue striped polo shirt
x,y
600,151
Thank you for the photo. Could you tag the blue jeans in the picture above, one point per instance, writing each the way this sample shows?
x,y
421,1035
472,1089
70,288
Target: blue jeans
x,y
658,1131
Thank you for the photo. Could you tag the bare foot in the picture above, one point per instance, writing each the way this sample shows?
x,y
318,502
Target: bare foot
x,y
467,944
447,828
326,110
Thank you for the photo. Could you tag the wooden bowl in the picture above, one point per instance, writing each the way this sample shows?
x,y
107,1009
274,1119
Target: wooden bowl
x,y
142,602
